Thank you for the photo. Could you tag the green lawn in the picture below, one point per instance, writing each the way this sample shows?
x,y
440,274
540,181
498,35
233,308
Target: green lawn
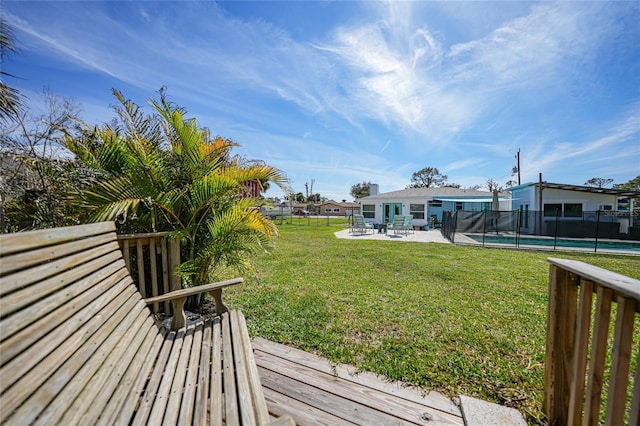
x,y
457,319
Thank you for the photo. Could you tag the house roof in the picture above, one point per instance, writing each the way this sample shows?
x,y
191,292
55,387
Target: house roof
x,y
431,193
579,188
344,205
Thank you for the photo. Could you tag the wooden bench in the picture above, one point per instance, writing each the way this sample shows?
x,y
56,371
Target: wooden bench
x,y
78,344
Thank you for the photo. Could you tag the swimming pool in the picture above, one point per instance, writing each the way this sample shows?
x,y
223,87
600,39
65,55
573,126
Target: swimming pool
x,y
524,240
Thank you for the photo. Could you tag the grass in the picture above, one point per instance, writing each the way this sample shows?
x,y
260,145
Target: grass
x,y
457,319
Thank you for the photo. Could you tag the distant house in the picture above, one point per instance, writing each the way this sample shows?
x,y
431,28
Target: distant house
x,y
424,203
334,208
574,209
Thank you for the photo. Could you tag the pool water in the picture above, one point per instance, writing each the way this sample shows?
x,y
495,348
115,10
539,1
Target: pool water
x,y
560,242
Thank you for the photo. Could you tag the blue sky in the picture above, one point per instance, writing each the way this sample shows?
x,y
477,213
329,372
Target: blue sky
x,y
346,92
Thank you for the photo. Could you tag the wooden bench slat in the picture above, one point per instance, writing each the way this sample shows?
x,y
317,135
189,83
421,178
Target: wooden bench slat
x,y
68,336
216,403
147,401
179,377
117,365
232,411
202,392
24,366
192,376
35,308
163,394
259,403
21,241
55,395
123,405
245,398
39,333
46,269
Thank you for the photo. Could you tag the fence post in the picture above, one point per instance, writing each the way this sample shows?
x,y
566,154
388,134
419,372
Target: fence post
x,y
484,224
595,247
555,231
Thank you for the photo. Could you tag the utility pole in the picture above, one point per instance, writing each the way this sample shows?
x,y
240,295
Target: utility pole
x,y
518,157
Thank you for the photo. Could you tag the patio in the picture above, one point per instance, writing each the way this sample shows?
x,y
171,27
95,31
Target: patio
x,y
431,236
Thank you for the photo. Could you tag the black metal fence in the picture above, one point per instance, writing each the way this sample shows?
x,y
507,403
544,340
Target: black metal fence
x,y
616,230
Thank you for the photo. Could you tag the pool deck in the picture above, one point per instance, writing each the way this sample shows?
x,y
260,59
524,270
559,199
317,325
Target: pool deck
x,y
431,236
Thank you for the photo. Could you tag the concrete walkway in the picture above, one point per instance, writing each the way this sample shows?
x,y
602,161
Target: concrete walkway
x,y
431,236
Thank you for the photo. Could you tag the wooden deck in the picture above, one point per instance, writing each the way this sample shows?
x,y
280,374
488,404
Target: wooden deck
x,y
315,392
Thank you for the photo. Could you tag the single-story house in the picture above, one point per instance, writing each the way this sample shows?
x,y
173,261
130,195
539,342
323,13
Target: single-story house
x,y
544,206
425,203
334,208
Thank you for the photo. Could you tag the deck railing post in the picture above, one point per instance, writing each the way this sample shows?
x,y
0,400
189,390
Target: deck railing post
x,y
561,326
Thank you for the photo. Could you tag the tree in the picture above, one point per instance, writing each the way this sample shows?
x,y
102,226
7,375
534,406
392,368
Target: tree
x,y
492,185
361,190
10,99
427,178
35,174
162,172
598,182
632,185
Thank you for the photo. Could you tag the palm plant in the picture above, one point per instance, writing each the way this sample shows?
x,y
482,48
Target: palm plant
x,y
163,172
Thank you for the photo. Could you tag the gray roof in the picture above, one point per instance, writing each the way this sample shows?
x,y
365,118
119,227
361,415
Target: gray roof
x,y
429,193
581,188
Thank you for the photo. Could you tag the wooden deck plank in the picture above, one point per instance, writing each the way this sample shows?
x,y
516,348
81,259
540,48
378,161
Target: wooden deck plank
x,y
431,399
309,388
305,415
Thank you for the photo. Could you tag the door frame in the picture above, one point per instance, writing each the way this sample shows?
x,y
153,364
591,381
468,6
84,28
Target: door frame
x,y
389,210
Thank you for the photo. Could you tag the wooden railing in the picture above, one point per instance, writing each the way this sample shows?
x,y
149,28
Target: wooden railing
x,y
151,258
573,389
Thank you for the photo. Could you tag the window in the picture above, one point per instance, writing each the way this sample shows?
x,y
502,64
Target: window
x,y
551,209
434,204
369,211
487,206
336,210
327,210
572,209
459,205
417,210
605,207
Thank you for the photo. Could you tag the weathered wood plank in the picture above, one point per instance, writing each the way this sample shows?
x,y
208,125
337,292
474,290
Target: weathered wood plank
x,y
326,401
363,396
66,399
232,411
172,412
630,287
26,327
216,403
31,378
127,391
431,399
304,415
581,348
245,351
142,288
245,402
621,358
598,356
16,242
191,380
163,395
46,267
151,392
154,271
634,414
202,393
561,321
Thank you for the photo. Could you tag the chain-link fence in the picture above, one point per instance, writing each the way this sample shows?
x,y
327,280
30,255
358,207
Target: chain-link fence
x,y
605,230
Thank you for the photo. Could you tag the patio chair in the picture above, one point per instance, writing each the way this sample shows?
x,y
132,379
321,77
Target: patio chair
x,y
397,225
408,224
360,225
